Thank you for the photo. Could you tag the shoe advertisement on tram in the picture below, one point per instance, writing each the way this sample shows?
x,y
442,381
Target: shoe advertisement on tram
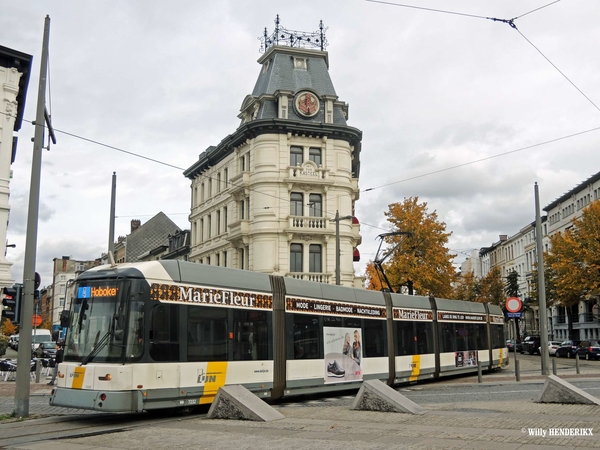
x,y
343,354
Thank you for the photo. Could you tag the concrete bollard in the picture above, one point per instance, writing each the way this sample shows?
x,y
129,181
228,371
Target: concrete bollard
x,y
479,374
517,373
577,363
554,367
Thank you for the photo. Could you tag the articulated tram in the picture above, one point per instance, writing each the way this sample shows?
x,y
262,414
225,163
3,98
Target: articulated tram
x,y
168,334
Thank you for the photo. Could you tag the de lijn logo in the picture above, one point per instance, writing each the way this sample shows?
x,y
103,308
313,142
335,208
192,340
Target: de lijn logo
x,y
206,377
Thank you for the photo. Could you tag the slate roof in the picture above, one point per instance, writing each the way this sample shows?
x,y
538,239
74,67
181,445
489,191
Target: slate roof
x,y
281,75
149,236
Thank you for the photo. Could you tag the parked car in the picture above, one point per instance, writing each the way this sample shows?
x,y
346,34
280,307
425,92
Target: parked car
x,y
567,349
589,349
531,345
48,349
553,346
510,344
13,341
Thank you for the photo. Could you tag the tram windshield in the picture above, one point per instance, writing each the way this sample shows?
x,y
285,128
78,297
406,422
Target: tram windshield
x,y
98,328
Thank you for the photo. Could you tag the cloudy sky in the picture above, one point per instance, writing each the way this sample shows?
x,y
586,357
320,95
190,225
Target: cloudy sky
x,y
430,90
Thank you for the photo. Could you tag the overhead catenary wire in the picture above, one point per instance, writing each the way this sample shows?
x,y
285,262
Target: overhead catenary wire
x,y
539,144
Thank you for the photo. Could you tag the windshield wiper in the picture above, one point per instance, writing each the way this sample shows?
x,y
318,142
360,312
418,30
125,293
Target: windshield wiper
x,y
97,348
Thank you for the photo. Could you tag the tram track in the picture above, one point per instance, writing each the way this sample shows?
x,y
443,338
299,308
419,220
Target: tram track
x,y
23,432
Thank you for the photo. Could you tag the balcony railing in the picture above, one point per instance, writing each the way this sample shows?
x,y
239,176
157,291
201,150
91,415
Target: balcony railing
x,y
311,276
308,223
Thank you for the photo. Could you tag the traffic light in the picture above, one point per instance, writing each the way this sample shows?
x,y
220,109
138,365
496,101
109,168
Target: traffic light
x,y
11,300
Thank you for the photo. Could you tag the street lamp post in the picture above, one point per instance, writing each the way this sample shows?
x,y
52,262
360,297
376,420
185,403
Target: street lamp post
x,y
337,244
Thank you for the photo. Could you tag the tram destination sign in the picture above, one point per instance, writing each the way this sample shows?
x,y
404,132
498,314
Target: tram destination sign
x,y
303,305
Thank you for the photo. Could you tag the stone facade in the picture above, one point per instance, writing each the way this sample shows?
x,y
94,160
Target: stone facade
x,y
14,79
265,197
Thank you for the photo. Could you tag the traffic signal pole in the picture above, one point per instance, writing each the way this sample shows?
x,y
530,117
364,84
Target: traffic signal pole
x,y
24,356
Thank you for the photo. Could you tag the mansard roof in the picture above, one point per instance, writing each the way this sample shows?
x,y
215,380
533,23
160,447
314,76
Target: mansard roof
x,y
289,71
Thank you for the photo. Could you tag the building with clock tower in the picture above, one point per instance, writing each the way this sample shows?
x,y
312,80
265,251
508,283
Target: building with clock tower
x,y
266,198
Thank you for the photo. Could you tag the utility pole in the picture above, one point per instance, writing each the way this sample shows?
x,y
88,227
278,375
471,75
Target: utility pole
x,y
111,225
24,356
541,286
337,244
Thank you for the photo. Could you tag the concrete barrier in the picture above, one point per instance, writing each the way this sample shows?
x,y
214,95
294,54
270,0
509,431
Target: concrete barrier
x,y
374,395
238,403
557,390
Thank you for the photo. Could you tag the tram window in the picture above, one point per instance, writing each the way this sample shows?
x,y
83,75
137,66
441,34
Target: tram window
x,y
250,335
207,334
447,338
307,335
497,336
164,328
135,341
374,338
405,338
424,334
481,335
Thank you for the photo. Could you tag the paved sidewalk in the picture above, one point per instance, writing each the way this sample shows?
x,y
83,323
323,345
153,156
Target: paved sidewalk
x,y
331,424
501,425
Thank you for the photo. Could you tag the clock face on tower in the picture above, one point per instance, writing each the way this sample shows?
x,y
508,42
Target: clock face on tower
x,y
307,104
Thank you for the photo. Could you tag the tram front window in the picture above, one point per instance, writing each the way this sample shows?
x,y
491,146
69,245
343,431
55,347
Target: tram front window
x,y
97,329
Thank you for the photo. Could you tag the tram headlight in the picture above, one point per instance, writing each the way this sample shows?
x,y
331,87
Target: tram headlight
x,y
106,377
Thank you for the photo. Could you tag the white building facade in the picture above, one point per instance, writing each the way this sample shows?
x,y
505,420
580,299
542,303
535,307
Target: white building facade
x,y
265,198
578,322
14,79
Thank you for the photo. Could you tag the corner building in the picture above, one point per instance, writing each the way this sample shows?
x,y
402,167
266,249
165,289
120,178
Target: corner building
x,y
264,198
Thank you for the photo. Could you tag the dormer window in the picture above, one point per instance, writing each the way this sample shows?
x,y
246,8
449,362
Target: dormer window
x,y
300,63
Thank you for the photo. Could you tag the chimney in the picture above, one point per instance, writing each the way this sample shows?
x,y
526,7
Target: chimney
x,y
135,224
503,237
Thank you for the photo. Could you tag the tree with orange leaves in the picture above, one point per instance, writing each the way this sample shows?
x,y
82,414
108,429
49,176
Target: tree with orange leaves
x,y
421,262
574,258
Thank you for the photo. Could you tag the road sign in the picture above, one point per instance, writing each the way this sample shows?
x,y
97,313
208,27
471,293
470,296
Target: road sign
x,y
514,315
36,320
513,304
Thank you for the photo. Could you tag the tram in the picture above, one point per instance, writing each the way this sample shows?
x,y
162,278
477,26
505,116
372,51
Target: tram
x,y
169,334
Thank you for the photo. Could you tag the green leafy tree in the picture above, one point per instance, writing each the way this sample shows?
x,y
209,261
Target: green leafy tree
x,y
512,284
422,262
